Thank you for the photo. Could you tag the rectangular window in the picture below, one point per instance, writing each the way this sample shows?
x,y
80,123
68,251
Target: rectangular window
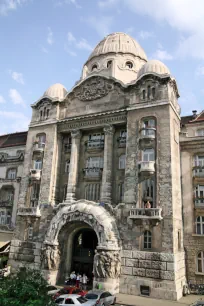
x,y
121,192
67,142
200,132
41,141
148,155
11,174
122,161
93,166
96,140
35,192
30,232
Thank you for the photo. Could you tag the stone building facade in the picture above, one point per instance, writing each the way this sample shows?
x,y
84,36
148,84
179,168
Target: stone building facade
x,y
12,149
101,188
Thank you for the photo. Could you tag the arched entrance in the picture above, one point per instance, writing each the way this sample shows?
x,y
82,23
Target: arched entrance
x,y
60,243
84,246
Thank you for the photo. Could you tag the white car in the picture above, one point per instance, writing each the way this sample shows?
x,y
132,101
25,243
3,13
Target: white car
x,y
73,299
101,298
52,290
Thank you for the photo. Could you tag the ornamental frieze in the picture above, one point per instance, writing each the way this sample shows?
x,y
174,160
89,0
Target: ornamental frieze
x,y
93,89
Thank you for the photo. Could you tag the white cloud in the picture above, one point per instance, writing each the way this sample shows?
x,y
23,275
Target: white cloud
x,y
44,49
162,55
10,5
83,44
129,30
188,102
70,52
70,37
2,100
145,34
18,122
17,76
102,24
200,70
107,3
62,2
16,97
50,39
12,115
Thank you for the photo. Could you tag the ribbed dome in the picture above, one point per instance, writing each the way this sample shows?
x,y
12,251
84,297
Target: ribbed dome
x,y
118,43
56,91
153,66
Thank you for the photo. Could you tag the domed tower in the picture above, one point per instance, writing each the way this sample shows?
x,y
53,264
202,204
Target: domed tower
x,y
118,55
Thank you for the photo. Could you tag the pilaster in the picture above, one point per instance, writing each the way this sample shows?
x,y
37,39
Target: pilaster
x,y
74,166
106,187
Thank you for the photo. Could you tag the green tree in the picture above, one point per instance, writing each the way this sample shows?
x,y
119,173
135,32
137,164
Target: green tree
x,y
25,288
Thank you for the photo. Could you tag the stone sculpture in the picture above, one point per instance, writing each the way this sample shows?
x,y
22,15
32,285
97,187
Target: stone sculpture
x,y
107,264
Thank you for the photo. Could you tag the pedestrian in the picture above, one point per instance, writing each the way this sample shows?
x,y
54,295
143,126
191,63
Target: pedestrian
x,y
73,278
84,281
77,280
148,206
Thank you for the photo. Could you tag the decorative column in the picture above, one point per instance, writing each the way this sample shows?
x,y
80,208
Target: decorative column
x,y
74,165
106,187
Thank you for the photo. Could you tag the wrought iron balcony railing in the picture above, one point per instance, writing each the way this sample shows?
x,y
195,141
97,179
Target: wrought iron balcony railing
x,y
94,172
95,144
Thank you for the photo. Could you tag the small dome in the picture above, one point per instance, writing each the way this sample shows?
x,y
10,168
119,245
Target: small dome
x,y
153,66
56,91
118,43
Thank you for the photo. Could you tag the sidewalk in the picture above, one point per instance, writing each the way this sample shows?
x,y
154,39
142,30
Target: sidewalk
x,y
132,300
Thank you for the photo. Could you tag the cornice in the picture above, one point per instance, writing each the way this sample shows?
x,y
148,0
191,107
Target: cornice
x,y
192,143
101,119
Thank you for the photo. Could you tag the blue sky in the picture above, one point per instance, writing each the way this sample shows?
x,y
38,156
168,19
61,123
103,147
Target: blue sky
x,y
43,42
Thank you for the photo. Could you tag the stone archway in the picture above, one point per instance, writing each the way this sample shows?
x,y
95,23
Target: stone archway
x,y
107,257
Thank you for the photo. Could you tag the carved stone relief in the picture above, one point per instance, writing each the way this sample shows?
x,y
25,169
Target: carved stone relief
x,y
50,257
107,264
92,89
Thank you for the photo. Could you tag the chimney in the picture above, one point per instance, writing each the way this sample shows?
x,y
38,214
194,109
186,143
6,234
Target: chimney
x,y
194,113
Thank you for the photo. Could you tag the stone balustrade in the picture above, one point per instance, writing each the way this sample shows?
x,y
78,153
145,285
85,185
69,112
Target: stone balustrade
x,y
38,146
146,213
29,211
147,166
35,174
148,133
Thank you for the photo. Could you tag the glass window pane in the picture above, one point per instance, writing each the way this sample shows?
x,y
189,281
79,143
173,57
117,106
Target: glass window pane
x,y
199,265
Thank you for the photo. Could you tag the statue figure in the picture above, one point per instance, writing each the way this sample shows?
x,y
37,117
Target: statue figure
x,y
107,264
50,257
55,257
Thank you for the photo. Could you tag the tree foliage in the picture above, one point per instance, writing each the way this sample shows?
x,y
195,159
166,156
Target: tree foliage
x,y
26,287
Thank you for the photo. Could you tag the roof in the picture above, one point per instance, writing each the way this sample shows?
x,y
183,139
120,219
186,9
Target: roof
x,y
118,43
56,91
186,119
15,139
153,66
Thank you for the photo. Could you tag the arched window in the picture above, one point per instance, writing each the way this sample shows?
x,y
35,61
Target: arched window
x,y
200,262
67,166
48,111
11,174
41,139
44,112
148,92
94,67
129,65
200,225
147,240
109,64
41,114
153,92
38,164
122,160
143,94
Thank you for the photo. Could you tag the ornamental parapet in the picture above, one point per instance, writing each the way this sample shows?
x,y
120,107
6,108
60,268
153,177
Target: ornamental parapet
x,y
147,167
29,211
146,213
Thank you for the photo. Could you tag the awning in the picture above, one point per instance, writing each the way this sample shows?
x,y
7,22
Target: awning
x,y
4,247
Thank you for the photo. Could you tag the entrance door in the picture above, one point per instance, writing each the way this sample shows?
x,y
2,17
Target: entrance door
x,y
84,245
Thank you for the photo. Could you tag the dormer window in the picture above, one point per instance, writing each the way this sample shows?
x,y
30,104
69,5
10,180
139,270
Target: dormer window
x,y
41,115
48,111
129,65
94,67
148,92
109,64
143,94
153,92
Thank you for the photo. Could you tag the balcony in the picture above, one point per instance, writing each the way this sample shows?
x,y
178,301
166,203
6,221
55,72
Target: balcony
x,y
146,213
122,142
147,168
199,202
38,146
94,173
147,137
94,144
198,171
6,203
35,174
29,211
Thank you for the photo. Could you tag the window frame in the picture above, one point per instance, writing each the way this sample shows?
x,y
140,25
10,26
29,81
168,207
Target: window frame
x,y
149,154
67,165
129,64
11,177
122,162
147,245
201,253
200,223
197,132
38,164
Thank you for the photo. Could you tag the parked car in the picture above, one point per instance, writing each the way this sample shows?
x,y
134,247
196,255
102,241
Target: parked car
x,y
70,290
101,298
52,290
73,299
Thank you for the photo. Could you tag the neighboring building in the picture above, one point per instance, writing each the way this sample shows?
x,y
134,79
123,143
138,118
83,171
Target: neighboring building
x,y
12,148
192,174
96,159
